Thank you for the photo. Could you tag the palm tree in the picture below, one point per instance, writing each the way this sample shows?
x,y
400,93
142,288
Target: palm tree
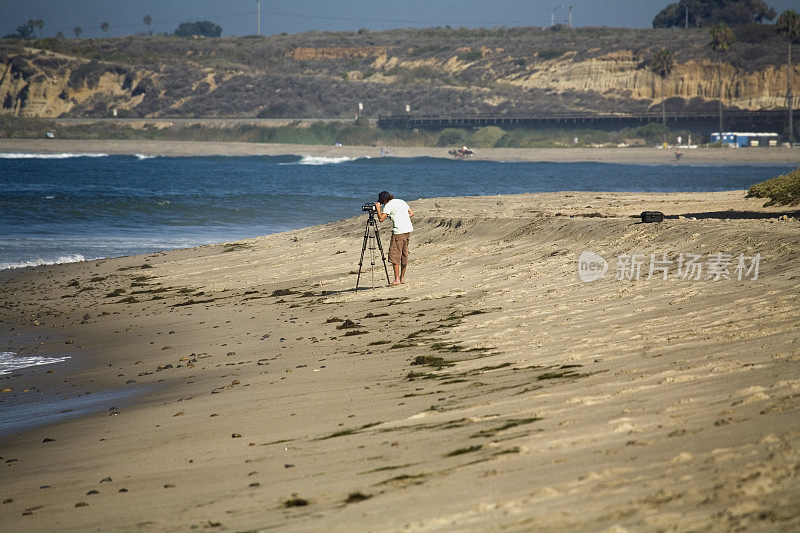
x,y
36,23
147,21
662,63
78,30
25,31
105,27
721,38
789,26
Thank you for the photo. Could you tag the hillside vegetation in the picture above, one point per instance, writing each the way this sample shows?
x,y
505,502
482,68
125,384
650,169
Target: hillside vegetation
x,y
434,71
358,132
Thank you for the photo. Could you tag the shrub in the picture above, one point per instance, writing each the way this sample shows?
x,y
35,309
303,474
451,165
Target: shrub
x,y
781,190
652,132
487,137
470,55
402,74
550,53
424,72
452,136
428,49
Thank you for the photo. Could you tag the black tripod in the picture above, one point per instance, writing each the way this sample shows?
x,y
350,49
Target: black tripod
x,y
373,225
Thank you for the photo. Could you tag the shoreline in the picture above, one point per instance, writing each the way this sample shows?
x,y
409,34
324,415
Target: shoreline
x,y
639,155
733,193
648,401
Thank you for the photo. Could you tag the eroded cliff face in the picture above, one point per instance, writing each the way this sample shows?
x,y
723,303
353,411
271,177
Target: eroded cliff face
x,y
622,74
43,84
34,83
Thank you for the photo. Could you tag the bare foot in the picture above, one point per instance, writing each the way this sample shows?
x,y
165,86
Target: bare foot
x,y
402,281
395,282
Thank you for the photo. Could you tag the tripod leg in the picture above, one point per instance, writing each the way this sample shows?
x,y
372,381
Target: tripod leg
x,y
380,247
363,248
372,263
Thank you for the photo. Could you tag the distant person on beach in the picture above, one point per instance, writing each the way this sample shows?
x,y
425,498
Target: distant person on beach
x,y
678,154
401,214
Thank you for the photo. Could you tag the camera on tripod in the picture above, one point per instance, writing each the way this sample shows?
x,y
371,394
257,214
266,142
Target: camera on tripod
x,y
371,238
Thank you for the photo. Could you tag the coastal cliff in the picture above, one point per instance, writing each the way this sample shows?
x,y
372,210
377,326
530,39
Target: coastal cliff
x,y
326,75
36,84
622,74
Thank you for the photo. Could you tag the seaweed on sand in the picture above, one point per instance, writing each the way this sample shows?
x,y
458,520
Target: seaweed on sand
x,y
354,497
295,501
508,425
462,451
430,360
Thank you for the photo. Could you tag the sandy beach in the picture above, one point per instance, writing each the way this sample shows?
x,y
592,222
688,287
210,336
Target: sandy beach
x,y
495,390
698,156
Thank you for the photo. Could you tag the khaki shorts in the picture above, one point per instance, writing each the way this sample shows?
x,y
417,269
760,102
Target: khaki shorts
x,y
398,249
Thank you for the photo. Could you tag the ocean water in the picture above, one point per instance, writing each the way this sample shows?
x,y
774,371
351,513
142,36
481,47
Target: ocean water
x,y
33,409
57,208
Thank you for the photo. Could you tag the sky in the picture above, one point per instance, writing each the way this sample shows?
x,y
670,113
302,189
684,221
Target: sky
x,y
239,17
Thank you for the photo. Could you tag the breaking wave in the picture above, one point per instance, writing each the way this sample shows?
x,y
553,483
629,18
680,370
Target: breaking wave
x,y
10,362
72,258
320,160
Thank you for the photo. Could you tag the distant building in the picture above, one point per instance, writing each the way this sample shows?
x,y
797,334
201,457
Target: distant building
x,y
742,139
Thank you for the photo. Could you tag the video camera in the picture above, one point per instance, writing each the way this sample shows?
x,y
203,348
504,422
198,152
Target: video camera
x,y
369,208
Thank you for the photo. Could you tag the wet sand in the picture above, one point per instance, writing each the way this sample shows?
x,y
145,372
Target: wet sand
x,y
699,156
494,390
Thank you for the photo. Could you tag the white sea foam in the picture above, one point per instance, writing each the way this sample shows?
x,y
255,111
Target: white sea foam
x,y
23,155
72,258
9,361
142,157
319,160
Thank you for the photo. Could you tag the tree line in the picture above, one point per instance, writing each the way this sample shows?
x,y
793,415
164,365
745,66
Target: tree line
x,y
708,13
684,13
202,28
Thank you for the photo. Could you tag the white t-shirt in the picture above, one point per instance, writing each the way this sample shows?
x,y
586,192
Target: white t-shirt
x,y
398,211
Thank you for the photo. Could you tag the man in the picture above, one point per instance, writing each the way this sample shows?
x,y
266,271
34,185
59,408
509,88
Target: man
x,y
401,214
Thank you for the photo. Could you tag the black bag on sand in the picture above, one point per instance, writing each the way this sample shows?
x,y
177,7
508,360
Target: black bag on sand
x,y
652,216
